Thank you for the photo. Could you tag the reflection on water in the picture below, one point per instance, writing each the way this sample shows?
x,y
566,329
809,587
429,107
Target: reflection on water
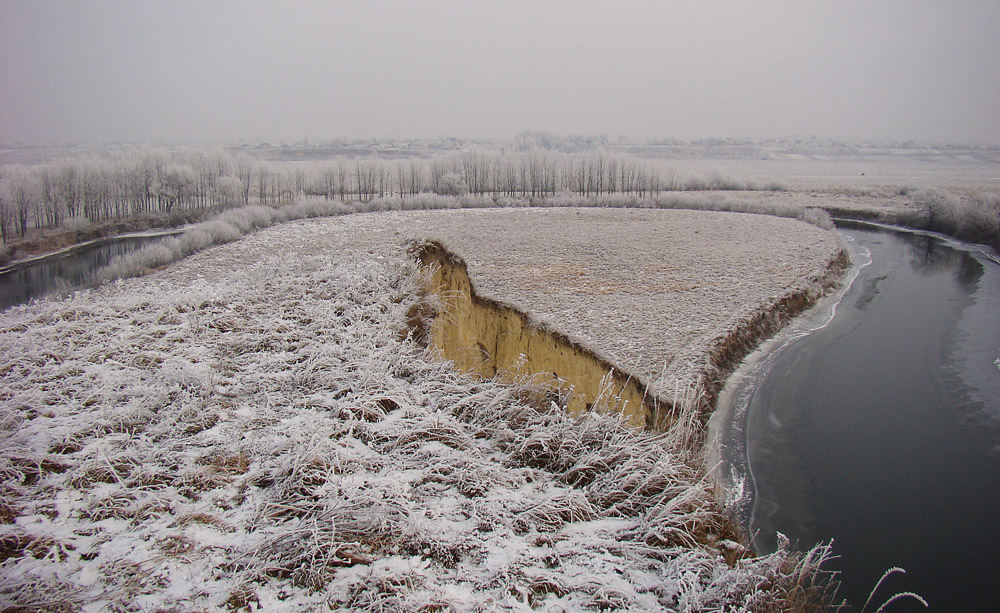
x,y
70,270
928,255
880,432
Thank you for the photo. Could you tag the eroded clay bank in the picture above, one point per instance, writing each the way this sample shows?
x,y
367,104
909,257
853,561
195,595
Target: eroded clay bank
x,y
486,337
489,338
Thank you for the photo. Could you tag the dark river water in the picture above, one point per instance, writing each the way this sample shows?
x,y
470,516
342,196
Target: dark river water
x,y
71,269
877,425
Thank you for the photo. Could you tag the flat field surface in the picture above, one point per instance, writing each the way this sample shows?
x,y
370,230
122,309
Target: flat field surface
x,y
650,290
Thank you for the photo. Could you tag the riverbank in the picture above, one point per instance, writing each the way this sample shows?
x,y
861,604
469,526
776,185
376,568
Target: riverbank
x,y
970,213
76,233
725,447
234,223
167,415
81,245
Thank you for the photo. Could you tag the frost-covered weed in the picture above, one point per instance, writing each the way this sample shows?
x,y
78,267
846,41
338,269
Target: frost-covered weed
x,y
695,202
278,439
224,228
235,223
715,202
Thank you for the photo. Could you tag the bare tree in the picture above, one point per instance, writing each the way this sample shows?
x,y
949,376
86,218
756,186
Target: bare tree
x,y
244,172
598,174
49,196
264,182
402,179
475,170
6,210
23,193
510,174
612,174
328,180
342,180
416,178
366,176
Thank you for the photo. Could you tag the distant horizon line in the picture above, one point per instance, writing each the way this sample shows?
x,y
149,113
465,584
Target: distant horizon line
x,y
593,140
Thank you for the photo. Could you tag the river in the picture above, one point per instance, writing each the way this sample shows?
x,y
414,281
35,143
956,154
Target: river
x,y
72,268
874,421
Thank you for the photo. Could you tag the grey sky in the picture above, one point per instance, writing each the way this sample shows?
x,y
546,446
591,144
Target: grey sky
x,y
92,71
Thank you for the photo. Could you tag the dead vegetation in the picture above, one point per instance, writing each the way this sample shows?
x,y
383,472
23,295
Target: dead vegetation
x,y
274,437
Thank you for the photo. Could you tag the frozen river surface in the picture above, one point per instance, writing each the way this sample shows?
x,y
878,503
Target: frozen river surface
x,y
881,428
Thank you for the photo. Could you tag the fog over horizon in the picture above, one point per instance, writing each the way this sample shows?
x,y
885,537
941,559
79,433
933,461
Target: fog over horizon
x,y
222,72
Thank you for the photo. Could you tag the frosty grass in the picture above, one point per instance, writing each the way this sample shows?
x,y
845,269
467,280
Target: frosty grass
x,y
273,437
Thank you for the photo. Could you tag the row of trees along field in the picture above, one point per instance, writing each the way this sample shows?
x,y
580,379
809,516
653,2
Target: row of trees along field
x,y
146,180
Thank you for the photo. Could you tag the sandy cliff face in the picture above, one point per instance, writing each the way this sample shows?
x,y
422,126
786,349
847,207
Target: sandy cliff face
x,y
490,338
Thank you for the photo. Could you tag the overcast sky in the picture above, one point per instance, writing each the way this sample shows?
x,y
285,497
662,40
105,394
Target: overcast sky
x,y
207,71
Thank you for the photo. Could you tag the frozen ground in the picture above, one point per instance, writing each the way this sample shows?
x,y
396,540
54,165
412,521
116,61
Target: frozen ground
x,y
252,426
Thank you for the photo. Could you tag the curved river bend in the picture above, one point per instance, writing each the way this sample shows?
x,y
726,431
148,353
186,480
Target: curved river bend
x,y
875,422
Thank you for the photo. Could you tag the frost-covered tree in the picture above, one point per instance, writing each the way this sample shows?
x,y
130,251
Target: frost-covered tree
x,y
328,180
979,220
23,190
402,179
416,179
176,183
539,177
67,186
439,167
940,207
244,172
366,179
612,174
475,171
228,191
507,175
452,184
263,179
384,180
142,180
6,210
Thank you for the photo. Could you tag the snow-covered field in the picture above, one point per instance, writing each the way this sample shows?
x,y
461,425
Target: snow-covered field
x,y
840,169
254,426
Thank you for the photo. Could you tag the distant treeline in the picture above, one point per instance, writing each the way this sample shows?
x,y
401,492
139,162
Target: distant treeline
x,y
148,180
